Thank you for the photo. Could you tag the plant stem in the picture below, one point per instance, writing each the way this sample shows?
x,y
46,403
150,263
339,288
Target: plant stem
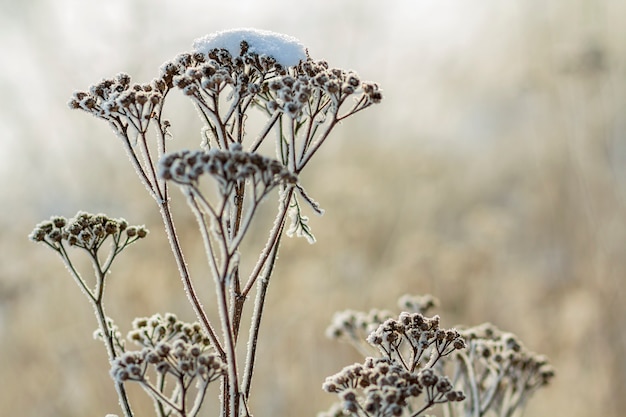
x,y
268,259
184,274
259,303
107,334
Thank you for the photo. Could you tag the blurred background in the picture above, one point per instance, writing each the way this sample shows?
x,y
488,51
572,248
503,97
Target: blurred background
x,y
492,175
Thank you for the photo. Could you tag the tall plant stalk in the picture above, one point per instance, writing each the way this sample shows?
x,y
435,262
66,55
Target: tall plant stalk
x,y
302,100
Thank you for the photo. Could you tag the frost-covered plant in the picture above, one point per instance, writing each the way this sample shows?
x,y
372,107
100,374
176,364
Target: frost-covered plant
x,y
413,354
176,352
229,77
91,233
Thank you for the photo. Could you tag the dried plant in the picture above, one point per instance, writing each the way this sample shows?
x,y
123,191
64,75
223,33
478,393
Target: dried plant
x,y
230,77
414,355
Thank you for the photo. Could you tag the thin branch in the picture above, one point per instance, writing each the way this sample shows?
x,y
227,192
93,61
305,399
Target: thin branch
x,y
264,132
272,239
186,278
270,253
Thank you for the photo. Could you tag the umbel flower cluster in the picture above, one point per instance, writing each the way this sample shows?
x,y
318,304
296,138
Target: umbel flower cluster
x,y
87,231
118,100
288,90
229,168
410,348
310,93
175,363
355,326
380,387
498,372
492,373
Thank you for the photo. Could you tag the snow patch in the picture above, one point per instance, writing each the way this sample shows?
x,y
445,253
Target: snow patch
x,y
286,50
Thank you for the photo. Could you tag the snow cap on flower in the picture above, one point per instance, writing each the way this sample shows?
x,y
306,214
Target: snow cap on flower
x,y
286,50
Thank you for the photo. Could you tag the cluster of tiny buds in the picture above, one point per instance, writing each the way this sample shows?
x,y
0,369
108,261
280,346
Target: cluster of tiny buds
x,y
292,93
281,89
226,166
179,358
217,68
116,97
288,94
420,333
417,303
354,324
150,331
380,387
86,230
503,350
337,82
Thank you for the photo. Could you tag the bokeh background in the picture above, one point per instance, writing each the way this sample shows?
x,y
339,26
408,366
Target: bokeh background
x,y
493,176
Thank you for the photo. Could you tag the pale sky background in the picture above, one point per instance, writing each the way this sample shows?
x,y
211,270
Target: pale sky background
x,y
50,48
422,53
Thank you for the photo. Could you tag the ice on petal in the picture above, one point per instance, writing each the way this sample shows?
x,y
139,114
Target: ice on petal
x,y
286,50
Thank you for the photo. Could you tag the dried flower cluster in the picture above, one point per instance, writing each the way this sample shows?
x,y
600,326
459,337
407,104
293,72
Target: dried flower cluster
x,y
121,102
311,86
310,94
229,168
381,387
288,90
175,351
150,331
87,231
180,359
350,324
493,374
410,347
412,338
417,303
497,372
354,327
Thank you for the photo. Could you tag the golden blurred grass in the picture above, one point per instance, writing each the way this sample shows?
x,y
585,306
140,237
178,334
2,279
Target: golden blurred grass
x,y
504,250
493,179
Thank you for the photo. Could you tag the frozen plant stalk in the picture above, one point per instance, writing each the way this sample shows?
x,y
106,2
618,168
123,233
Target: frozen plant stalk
x,y
229,77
